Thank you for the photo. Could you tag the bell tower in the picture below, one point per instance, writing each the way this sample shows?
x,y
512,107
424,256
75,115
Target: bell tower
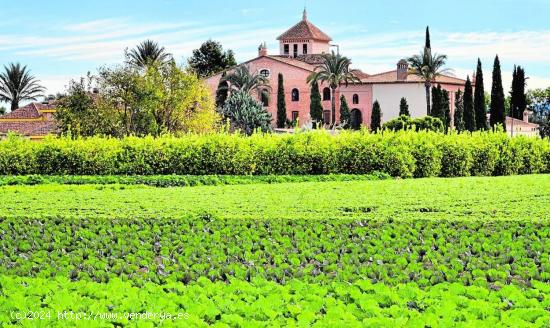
x,y
304,38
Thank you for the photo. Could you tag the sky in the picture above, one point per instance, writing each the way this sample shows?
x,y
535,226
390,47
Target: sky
x,y
60,40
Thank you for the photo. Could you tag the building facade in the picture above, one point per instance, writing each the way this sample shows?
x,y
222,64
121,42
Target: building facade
x,y
300,51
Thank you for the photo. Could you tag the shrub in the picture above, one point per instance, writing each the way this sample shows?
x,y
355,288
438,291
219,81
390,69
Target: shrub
x,y
403,154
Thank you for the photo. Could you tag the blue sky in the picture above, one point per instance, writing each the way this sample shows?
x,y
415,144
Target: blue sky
x,y
62,40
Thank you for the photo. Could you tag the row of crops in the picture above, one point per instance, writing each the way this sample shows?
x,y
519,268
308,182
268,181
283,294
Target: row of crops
x,y
469,252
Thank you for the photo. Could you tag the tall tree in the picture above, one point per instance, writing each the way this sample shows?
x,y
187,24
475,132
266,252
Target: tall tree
x,y
428,67
469,113
241,79
210,59
404,107
446,109
479,99
376,117
315,105
222,92
345,116
518,101
281,103
17,84
335,71
147,53
497,111
437,102
428,43
459,111
2,110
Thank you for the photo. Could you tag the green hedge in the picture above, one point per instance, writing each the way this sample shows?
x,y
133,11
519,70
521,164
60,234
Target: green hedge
x,y
403,154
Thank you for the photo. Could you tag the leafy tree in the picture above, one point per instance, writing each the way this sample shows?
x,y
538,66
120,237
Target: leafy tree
x,y
479,99
469,114
17,84
241,79
335,71
210,59
404,107
246,114
78,114
345,116
376,117
518,100
498,116
315,105
428,66
222,92
539,101
147,53
459,112
281,103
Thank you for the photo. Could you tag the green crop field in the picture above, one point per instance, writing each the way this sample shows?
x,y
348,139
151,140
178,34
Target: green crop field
x,y
462,252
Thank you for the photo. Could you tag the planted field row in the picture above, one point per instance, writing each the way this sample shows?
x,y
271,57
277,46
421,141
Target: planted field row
x,y
426,252
265,304
490,199
181,180
403,154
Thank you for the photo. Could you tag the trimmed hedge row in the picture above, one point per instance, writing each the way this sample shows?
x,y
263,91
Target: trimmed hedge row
x,y
403,154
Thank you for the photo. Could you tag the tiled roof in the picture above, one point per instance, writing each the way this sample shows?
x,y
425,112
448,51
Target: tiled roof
x,y
391,77
305,30
40,128
294,62
25,112
29,121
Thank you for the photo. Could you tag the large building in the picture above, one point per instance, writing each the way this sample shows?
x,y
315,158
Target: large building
x,y
34,121
300,50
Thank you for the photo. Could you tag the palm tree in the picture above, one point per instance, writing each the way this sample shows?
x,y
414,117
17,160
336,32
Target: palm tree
x,y
17,84
241,79
148,53
428,67
335,71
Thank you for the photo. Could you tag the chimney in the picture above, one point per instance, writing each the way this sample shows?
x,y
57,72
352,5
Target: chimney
x,y
526,116
262,50
402,70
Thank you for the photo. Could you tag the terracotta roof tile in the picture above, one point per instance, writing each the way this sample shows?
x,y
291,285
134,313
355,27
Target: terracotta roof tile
x,y
305,30
28,111
391,77
28,128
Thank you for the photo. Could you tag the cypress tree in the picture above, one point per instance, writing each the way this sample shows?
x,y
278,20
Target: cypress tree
x,y
469,114
479,100
376,117
315,106
404,107
345,116
281,103
459,112
428,44
518,101
497,111
437,102
222,92
446,110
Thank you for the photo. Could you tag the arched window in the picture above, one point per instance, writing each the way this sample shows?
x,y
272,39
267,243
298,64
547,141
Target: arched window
x,y
326,94
355,99
295,95
265,73
264,97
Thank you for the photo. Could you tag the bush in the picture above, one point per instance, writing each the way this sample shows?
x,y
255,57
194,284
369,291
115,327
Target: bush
x,y
405,122
402,154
